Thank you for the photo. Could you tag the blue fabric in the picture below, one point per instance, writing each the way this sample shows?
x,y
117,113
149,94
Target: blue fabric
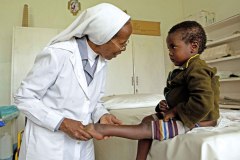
x,y
7,113
2,123
88,70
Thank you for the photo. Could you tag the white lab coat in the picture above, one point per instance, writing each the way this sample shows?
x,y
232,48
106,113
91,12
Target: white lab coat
x,y
56,87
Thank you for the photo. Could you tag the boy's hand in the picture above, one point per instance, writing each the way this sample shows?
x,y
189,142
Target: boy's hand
x,y
170,114
162,107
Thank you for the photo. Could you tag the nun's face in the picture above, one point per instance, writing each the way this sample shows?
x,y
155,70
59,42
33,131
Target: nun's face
x,y
117,44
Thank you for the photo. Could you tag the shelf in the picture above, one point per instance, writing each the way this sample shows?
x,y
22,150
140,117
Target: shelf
x,y
221,24
231,38
223,59
227,106
226,31
229,79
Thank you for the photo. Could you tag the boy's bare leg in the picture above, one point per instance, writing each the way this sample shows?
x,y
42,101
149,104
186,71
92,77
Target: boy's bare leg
x,y
135,132
144,145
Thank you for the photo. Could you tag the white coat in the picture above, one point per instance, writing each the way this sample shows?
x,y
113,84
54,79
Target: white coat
x,y
56,87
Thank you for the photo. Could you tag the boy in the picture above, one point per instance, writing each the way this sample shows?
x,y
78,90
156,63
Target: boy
x,y
191,94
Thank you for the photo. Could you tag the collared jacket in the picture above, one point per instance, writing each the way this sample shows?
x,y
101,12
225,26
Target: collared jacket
x,y
55,88
194,90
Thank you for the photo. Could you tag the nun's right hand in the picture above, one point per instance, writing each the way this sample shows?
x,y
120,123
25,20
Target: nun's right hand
x,y
74,129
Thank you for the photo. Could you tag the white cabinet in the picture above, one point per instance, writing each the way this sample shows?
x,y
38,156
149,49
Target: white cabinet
x,y
226,32
140,69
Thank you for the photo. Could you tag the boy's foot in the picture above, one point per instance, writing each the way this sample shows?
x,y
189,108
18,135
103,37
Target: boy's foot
x,y
90,128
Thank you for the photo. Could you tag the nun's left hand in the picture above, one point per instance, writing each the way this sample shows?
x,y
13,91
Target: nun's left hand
x,y
110,119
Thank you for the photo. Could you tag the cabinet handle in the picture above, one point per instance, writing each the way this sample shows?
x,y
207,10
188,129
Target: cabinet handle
x,y
132,81
137,80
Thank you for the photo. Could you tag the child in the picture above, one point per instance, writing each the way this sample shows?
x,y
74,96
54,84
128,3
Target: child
x,y
192,94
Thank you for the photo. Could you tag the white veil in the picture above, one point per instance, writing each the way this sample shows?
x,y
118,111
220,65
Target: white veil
x,y
100,23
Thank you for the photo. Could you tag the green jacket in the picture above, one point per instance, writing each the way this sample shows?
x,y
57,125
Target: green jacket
x,y
194,90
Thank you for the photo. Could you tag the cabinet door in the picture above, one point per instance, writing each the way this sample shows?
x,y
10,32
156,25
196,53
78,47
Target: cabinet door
x,y
120,73
148,64
140,69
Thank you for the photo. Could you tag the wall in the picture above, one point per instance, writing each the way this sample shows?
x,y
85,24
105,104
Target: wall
x,y
222,8
54,14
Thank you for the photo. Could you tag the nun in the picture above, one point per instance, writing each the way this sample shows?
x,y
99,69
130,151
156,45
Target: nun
x,y
61,94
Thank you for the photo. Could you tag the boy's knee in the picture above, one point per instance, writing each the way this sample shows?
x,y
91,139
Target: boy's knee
x,y
162,130
147,119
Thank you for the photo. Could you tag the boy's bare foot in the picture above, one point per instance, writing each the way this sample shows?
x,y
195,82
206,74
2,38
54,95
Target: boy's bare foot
x,y
90,128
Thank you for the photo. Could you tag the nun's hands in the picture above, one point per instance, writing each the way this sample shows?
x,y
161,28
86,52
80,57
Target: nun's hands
x,y
74,129
110,119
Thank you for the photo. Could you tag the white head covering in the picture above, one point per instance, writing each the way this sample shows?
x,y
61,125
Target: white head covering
x,y
100,23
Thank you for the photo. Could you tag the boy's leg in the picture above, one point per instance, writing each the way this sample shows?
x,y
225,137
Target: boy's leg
x,y
162,130
135,132
144,145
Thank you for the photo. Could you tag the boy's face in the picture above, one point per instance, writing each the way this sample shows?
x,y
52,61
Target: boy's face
x,y
179,51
